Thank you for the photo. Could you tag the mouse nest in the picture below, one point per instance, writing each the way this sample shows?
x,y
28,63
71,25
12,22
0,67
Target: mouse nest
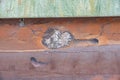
x,y
54,38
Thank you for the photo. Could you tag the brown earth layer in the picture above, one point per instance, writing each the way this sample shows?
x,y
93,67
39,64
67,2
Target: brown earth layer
x,y
14,37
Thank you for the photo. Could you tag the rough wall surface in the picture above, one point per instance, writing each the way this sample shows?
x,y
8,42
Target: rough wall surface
x,y
29,37
78,61
88,63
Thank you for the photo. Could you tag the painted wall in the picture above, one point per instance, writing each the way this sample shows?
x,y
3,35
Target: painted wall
x,y
58,8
